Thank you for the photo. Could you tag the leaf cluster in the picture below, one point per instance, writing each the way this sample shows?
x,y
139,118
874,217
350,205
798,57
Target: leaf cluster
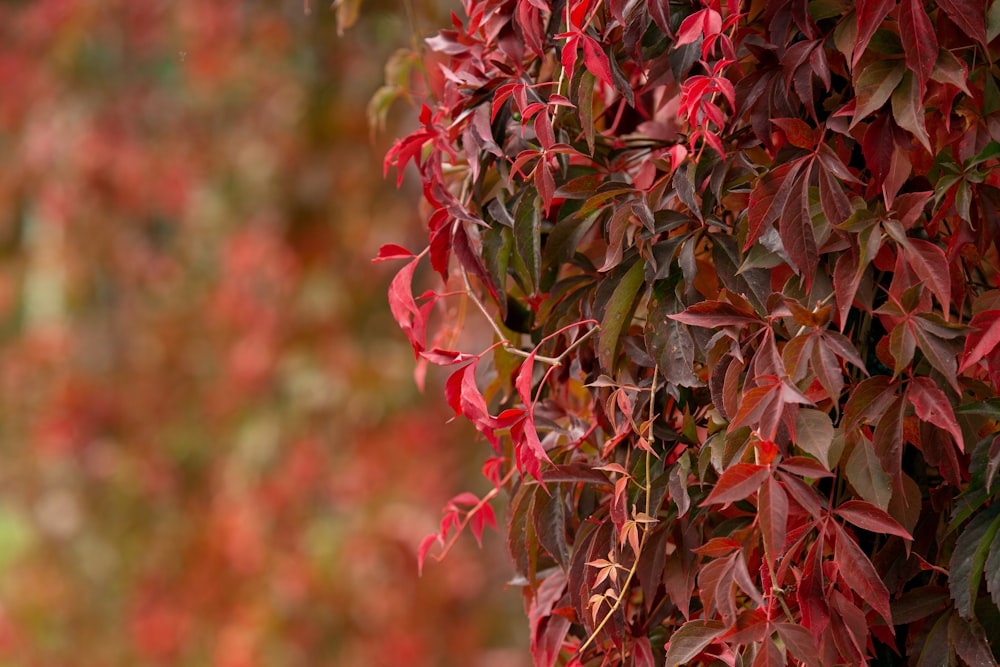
x,y
740,261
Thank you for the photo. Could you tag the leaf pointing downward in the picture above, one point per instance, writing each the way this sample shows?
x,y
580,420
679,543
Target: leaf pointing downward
x,y
861,575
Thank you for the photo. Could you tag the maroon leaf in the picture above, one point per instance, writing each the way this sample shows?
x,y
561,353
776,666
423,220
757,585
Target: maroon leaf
x,y
642,652
908,110
805,466
933,406
920,42
711,314
865,515
874,84
811,592
796,231
969,16
736,483
691,639
870,15
929,263
799,642
772,508
797,132
860,574
768,199
547,630
983,339
769,655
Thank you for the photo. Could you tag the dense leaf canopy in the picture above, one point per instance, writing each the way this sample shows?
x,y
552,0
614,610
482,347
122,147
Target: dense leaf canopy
x,y
740,264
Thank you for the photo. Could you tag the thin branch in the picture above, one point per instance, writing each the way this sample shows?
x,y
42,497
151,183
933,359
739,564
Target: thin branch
x,y
510,347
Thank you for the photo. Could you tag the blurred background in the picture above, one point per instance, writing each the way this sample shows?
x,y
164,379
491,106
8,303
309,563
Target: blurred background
x,y
212,451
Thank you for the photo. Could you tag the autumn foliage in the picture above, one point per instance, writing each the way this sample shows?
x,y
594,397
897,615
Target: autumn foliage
x,y
739,263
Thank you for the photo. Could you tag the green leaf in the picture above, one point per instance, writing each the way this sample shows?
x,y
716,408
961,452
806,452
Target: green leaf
x,y
550,524
668,341
969,557
498,242
992,570
618,314
527,237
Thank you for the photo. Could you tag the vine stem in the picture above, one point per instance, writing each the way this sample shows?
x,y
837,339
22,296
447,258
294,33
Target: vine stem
x,y
645,531
507,345
493,493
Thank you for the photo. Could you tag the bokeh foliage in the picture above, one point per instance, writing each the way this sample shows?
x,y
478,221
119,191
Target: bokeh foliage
x,y
209,430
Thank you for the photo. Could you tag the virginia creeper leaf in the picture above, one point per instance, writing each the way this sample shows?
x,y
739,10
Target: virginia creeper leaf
x,y
969,16
691,639
861,575
772,508
618,314
933,406
736,483
874,85
865,515
969,557
920,42
865,473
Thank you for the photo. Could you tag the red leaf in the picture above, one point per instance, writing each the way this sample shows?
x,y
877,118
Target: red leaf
x,y
642,652
768,199
718,546
983,339
865,515
701,24
547,630
391,251
870,14
969,16
404,308
796,231
811,595
758,401
805,466
769,655
736,483
860,574
425,547
711,314
933,406
596,60
930,265
919,40
797,132
772,508
482,518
